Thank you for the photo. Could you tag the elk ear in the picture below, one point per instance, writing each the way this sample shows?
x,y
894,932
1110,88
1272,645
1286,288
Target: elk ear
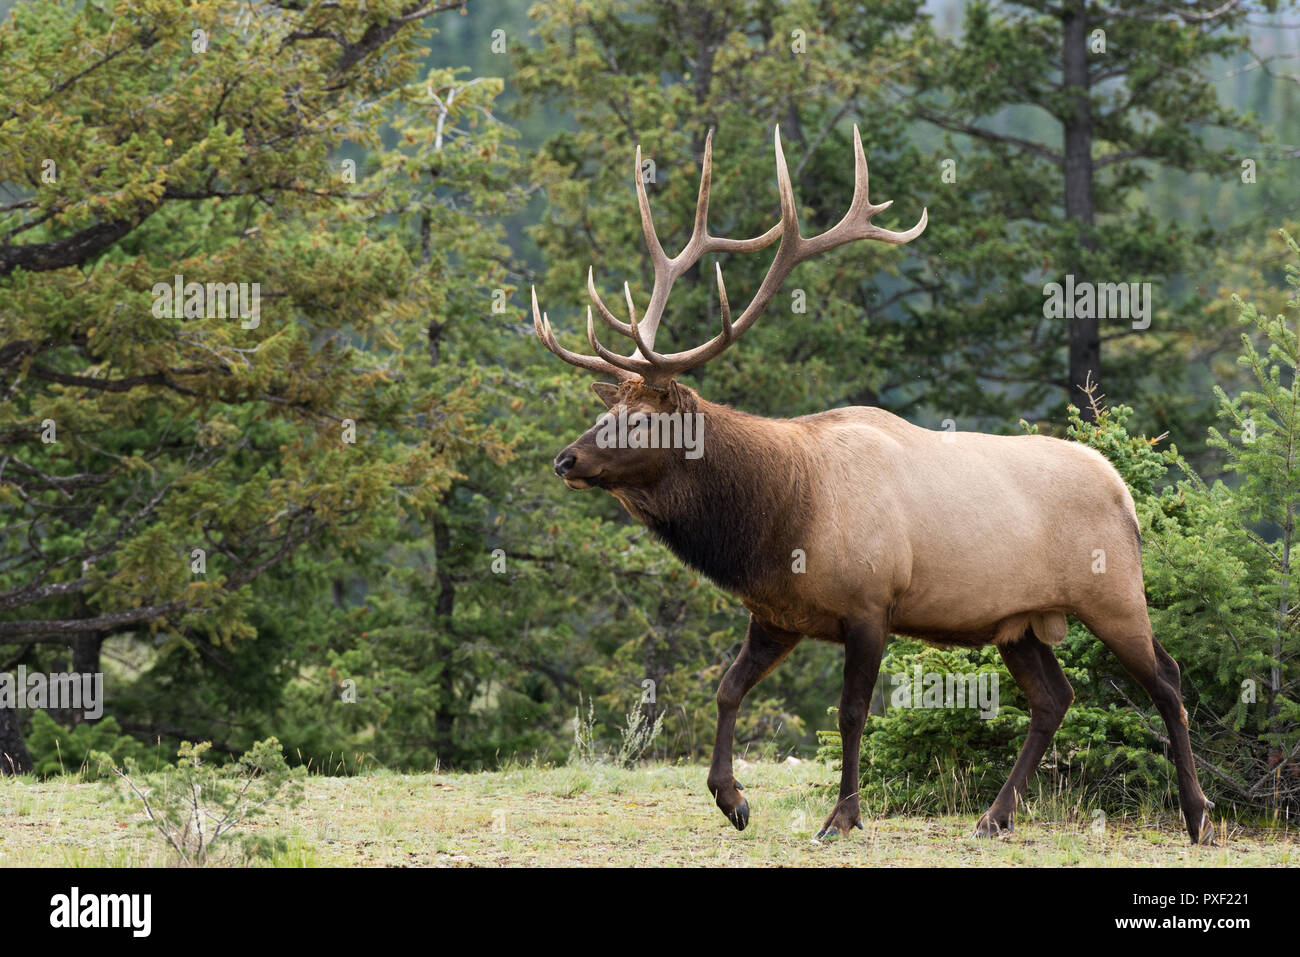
x,y
606,392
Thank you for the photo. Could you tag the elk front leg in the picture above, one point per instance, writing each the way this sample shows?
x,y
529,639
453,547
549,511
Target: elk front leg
x,y
864,643
764,648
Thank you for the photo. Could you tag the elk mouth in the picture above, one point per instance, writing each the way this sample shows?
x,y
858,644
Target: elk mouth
x,y
584,481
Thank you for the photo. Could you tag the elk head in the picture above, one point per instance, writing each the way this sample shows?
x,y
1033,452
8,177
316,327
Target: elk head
x,y
646,388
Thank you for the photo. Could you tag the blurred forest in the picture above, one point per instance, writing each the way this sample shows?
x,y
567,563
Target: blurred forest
x,y
339,526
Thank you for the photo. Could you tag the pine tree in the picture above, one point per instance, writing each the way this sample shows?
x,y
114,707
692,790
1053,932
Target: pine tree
x,y
158,457
1057,116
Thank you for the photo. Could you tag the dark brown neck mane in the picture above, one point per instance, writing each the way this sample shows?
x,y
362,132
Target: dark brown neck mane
x,y
736,513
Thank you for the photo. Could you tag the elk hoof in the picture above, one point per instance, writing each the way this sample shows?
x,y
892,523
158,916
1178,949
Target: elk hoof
x,y
730,803
829,831
993,825
842,820
740,816
1204,835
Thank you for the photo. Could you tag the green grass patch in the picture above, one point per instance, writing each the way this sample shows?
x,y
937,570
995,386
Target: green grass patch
x,y
657,815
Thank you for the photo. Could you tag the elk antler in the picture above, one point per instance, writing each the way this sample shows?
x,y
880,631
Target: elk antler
x,y
655,368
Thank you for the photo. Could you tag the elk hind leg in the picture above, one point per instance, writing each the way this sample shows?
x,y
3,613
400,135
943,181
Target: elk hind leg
x,y
1157,672
1039,675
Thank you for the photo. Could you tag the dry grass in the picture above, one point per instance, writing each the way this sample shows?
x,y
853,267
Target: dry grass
x,y
596,816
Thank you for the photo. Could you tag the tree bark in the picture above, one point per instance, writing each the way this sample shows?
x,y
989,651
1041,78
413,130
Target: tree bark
x,y
14,758
444,716
1085,334
85,661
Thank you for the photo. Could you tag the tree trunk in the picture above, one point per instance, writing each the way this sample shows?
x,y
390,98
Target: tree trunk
x,y
444,717
1277,755
85,652
1085,336
14,758
79,657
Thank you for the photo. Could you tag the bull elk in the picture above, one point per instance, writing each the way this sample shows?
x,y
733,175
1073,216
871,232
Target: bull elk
x,y
958,540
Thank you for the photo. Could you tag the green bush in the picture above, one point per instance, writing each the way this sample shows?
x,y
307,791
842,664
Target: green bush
x,y
198,808
59,750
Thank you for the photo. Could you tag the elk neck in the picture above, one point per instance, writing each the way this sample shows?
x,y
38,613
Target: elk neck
x,y
736,513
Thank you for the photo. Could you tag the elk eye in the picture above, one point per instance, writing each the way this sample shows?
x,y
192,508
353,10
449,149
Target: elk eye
x,y
636,420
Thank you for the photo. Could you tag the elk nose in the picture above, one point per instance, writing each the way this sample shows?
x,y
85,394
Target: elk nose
x,y
564,463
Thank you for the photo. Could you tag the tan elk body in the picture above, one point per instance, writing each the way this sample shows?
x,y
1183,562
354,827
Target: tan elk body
x,y
964,537
853,524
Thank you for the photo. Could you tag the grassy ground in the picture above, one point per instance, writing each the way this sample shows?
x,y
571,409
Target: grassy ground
x,y
596,816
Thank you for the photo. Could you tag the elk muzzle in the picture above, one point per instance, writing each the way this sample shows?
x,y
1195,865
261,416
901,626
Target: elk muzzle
x,y
569,465
564,463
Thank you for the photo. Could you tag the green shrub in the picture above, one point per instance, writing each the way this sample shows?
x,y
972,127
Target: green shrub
x,y
59,750
198,807
636,736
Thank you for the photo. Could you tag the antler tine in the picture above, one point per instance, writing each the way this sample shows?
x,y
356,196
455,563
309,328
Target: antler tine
x,y
789,212
862,180
725,307
605,314
626,363
644,347
701,228
542,327
657,256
